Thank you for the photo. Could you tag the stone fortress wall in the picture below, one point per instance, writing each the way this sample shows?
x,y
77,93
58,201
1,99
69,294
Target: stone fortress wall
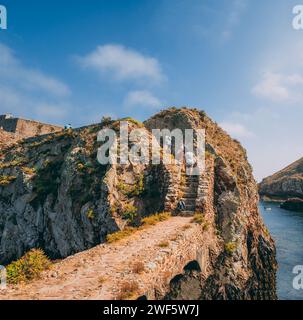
x,y
26,128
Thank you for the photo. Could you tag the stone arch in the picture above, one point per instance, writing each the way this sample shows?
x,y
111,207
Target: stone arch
x,y
192,266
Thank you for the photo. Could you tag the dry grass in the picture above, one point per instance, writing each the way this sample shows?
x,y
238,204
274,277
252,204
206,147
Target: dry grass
x,y
138,267
205,226
198,218
146,222
186,227
154,219
6,180
101,280
28,171
120,235
163,244
127,290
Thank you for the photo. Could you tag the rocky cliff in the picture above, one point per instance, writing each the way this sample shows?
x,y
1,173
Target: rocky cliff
x,y
241,260
285,184
55,195
6,138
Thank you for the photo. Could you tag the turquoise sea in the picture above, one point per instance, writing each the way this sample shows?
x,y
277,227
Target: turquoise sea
x,y
286,227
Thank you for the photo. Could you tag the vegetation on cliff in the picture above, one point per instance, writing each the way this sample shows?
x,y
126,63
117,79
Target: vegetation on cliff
x,y
64,201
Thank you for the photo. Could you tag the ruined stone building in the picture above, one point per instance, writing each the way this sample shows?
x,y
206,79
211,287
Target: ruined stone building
x,y
25,128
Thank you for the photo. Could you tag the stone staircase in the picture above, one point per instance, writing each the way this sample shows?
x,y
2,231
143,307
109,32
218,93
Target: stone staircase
x,y
190,193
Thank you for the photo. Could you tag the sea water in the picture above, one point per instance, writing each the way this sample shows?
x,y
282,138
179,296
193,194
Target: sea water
x,y
286,228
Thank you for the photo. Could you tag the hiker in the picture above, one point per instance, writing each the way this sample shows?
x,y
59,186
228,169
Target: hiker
x,y
67,127
190,161
181,205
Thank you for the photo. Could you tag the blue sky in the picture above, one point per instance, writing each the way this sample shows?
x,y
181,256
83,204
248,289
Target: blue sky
x,y
239,60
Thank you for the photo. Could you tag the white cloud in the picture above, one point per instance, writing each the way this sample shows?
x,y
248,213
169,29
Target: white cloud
x,y
236,130
142,98
122,63
24,90
13,71
279,87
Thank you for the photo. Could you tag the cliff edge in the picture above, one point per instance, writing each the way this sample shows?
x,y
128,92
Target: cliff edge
x,y
285,184
55,195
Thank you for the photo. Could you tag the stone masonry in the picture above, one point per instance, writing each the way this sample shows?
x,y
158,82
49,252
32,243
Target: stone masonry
x,y
24,128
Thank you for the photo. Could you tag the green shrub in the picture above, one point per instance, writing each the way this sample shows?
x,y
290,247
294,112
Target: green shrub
x,y
230,247
27,268
106,120
90,214
130,212
132,190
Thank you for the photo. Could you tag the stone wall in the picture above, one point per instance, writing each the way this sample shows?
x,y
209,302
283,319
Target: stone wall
x,y
194,245
26,128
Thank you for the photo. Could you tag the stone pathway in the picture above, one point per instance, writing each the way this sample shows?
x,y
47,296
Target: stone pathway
x,y
98,273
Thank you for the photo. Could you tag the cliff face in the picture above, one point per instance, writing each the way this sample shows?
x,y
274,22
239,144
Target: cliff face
x,y
56,196
285,184
240,263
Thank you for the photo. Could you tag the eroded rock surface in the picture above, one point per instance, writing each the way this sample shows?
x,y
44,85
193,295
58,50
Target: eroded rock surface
x,y
285,184
55,195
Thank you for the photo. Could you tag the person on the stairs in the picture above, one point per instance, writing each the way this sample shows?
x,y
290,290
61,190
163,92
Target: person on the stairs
x,y
181,205
190,162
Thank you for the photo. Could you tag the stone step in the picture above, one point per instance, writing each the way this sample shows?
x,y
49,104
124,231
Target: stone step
x,y
186,213
190,207
189,202
190,191
192,184
190,195
190,187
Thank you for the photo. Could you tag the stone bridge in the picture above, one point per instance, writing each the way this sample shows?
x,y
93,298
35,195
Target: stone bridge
x,y
145,263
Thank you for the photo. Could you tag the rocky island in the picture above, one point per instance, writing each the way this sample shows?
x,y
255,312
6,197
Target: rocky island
x,y
285,186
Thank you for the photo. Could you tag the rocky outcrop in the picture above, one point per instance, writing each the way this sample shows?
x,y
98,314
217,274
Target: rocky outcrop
x,y
285,184
241,263
55,195
293,204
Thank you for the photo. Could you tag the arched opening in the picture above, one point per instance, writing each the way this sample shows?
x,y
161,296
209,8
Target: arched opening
x,y
192,266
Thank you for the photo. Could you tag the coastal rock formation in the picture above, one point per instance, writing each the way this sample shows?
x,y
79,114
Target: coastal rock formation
x,y
55,195
240,263
293,204
284,185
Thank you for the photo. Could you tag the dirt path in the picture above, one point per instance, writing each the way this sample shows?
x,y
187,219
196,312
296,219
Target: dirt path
x,y
98,273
